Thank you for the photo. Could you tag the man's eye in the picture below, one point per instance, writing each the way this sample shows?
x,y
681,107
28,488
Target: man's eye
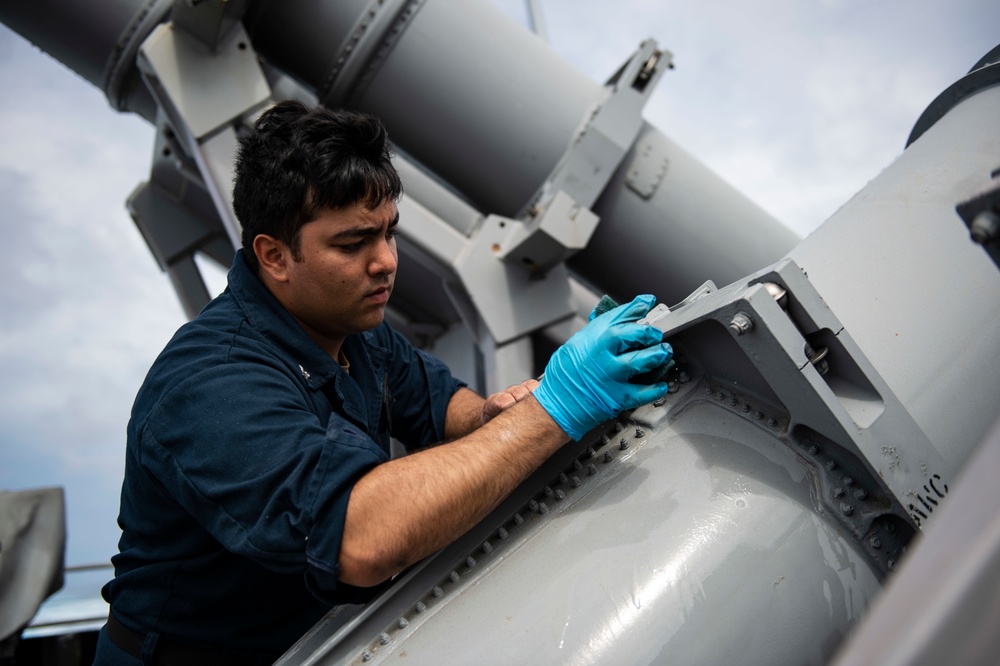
x,y
351,247
391,233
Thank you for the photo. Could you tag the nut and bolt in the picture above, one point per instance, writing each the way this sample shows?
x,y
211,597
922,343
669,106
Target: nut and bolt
x,y
741,324
985,227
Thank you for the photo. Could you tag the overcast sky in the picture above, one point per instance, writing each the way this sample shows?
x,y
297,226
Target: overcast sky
x,y
798,104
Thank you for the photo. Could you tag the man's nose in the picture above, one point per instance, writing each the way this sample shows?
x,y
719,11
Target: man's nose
x,y
385,259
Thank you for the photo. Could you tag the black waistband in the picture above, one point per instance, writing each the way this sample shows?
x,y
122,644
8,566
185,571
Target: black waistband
x,y
169,653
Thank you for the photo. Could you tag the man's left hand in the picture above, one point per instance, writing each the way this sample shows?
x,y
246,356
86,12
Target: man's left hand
x,y
507,398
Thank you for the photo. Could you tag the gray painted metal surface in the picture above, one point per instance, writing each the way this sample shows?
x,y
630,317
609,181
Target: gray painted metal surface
x,y
920,299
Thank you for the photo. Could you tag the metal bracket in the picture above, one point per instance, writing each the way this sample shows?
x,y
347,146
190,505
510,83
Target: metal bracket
x,y
208,21
559,213
203,91
981,215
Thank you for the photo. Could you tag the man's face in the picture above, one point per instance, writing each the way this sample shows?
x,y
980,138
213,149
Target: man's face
x,y
341,280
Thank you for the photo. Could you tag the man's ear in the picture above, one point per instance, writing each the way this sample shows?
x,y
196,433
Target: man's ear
x,y
273,257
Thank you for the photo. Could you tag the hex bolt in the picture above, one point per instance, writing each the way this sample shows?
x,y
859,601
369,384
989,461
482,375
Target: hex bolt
x,y
577,465
720,395
543,507
403,623
533,505
683,377
575,481
772,422
420,607
590,452
608,457
487,547
758,415
985,227
547,490
741,324
846,508
560,495
861,494
502,533
518,519
639,432
619,426
454,576
384,638
831,465
563,479
470,561
659,402
875,542
838,492
813,450
623,444
605,439
591,469
746,407
366,655
733,401
672,387
848,481
709,390
437,592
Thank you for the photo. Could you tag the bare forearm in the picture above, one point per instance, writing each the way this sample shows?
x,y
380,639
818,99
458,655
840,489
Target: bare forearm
x,y
465,413
406,509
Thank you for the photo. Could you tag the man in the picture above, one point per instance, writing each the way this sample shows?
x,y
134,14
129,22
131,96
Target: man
x,y
259,490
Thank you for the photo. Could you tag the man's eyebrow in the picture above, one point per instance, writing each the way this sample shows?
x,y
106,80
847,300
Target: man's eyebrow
x,y
366,230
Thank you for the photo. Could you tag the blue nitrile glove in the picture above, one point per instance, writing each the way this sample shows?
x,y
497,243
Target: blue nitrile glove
x,y
586,381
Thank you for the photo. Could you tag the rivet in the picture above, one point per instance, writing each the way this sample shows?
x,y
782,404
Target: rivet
x,y
470,561
560,495
831,465
838,492
563,479
861,494
813,450
639,432
590,452
420,607
366,655
672,387
605,439
454,576
403,623
758,415
659,402
384,638
876,542
502,533
487,547
533,505
746,407
518,519
608,457
623,444
548,491
577,465
592,469
575,481
772,423
709,390
437,591
684,377
720,395
848,481
733,401
846,509
543,507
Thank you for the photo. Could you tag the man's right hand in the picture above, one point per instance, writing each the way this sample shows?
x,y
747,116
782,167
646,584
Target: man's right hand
x,y
586,381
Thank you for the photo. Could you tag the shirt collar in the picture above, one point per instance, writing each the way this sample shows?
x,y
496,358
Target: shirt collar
x,y
270,318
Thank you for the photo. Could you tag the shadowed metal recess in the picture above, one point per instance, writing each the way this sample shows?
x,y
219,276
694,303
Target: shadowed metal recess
x,y
826,397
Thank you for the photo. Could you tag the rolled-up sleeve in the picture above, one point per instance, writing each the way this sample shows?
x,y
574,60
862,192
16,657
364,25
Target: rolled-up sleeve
x,y
240,449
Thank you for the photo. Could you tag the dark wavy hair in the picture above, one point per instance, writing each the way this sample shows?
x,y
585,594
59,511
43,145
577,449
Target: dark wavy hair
x,y
297,161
